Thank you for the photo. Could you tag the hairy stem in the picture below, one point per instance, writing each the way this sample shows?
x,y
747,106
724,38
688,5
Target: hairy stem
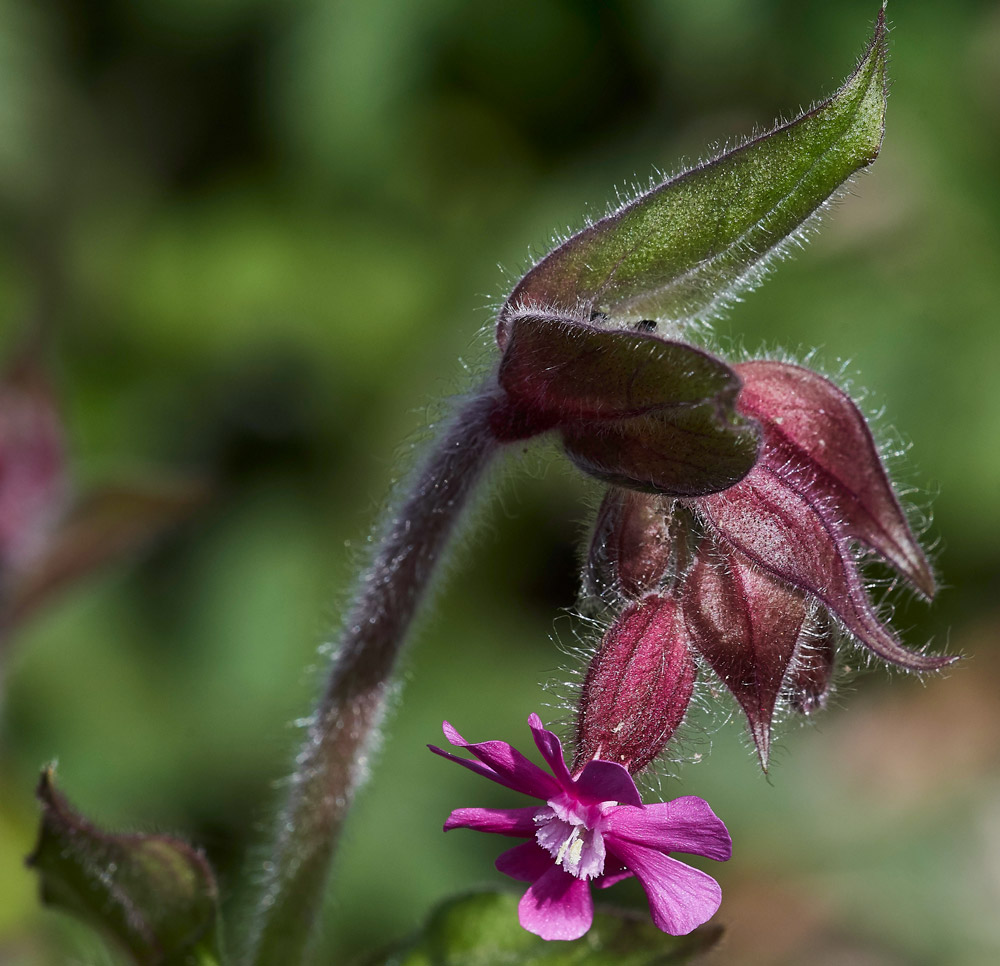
x,y
332,762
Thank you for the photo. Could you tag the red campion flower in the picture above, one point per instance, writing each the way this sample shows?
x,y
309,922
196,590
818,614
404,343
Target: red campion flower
x,y
592,828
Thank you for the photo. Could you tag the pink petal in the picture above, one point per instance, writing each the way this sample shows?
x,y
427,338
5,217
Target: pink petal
x,y
685,824
780,526
502,821
504,765
557,906
824,432
612,878
606,781
614,872
638,686
746,623
526,863
680,898
551,748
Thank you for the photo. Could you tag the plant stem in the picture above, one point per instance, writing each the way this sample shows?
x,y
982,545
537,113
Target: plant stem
x,y
332,762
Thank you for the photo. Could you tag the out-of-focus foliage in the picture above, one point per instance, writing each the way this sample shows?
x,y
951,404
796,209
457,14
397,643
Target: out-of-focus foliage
x,y
261,233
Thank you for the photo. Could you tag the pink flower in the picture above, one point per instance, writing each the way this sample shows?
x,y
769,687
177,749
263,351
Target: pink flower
x,y
592,827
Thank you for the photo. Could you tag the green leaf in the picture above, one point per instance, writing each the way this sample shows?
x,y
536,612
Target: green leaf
x,y
154,894
686,247
482,930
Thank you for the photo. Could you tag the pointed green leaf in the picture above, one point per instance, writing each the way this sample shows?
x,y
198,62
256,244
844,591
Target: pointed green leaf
x,y
154,894
684,248
482,930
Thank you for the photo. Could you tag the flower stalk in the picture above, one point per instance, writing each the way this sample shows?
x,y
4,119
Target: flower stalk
x,y
332,762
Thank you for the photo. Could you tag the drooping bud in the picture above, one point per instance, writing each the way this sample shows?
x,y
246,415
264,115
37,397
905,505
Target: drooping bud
x,y
633,409
632,547
638,686
782,524
153,894
811,677
747,625
823,437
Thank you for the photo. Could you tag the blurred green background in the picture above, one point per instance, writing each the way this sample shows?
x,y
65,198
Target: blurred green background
x,y
266,233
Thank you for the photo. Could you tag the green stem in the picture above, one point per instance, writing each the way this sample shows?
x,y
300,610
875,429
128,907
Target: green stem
x,y
332,762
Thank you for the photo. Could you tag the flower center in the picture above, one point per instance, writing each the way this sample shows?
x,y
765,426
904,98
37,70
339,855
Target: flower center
x,y
571,833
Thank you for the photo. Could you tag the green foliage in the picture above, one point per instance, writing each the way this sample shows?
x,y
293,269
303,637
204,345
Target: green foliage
x,y
481,930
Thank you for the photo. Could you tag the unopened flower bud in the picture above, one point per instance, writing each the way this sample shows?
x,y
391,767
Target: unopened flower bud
x,y
747,625
638,686
811,675
632,548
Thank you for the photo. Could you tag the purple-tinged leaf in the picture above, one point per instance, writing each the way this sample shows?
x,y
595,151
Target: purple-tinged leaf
x,y
781,525
153,894
680,452
811,677
746,624
633,409
637,688
823,433
690,244
632,547
564,370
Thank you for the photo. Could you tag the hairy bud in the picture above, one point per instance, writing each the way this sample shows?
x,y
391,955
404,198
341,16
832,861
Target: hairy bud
x,y
633,547
638,686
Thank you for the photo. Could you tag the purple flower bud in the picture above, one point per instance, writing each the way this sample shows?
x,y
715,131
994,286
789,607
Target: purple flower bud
x,y
638,686
811,676
633,545
822,434
819,484
747,625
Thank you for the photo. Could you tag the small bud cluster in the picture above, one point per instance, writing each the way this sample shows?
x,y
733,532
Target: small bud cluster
x,y
754,582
